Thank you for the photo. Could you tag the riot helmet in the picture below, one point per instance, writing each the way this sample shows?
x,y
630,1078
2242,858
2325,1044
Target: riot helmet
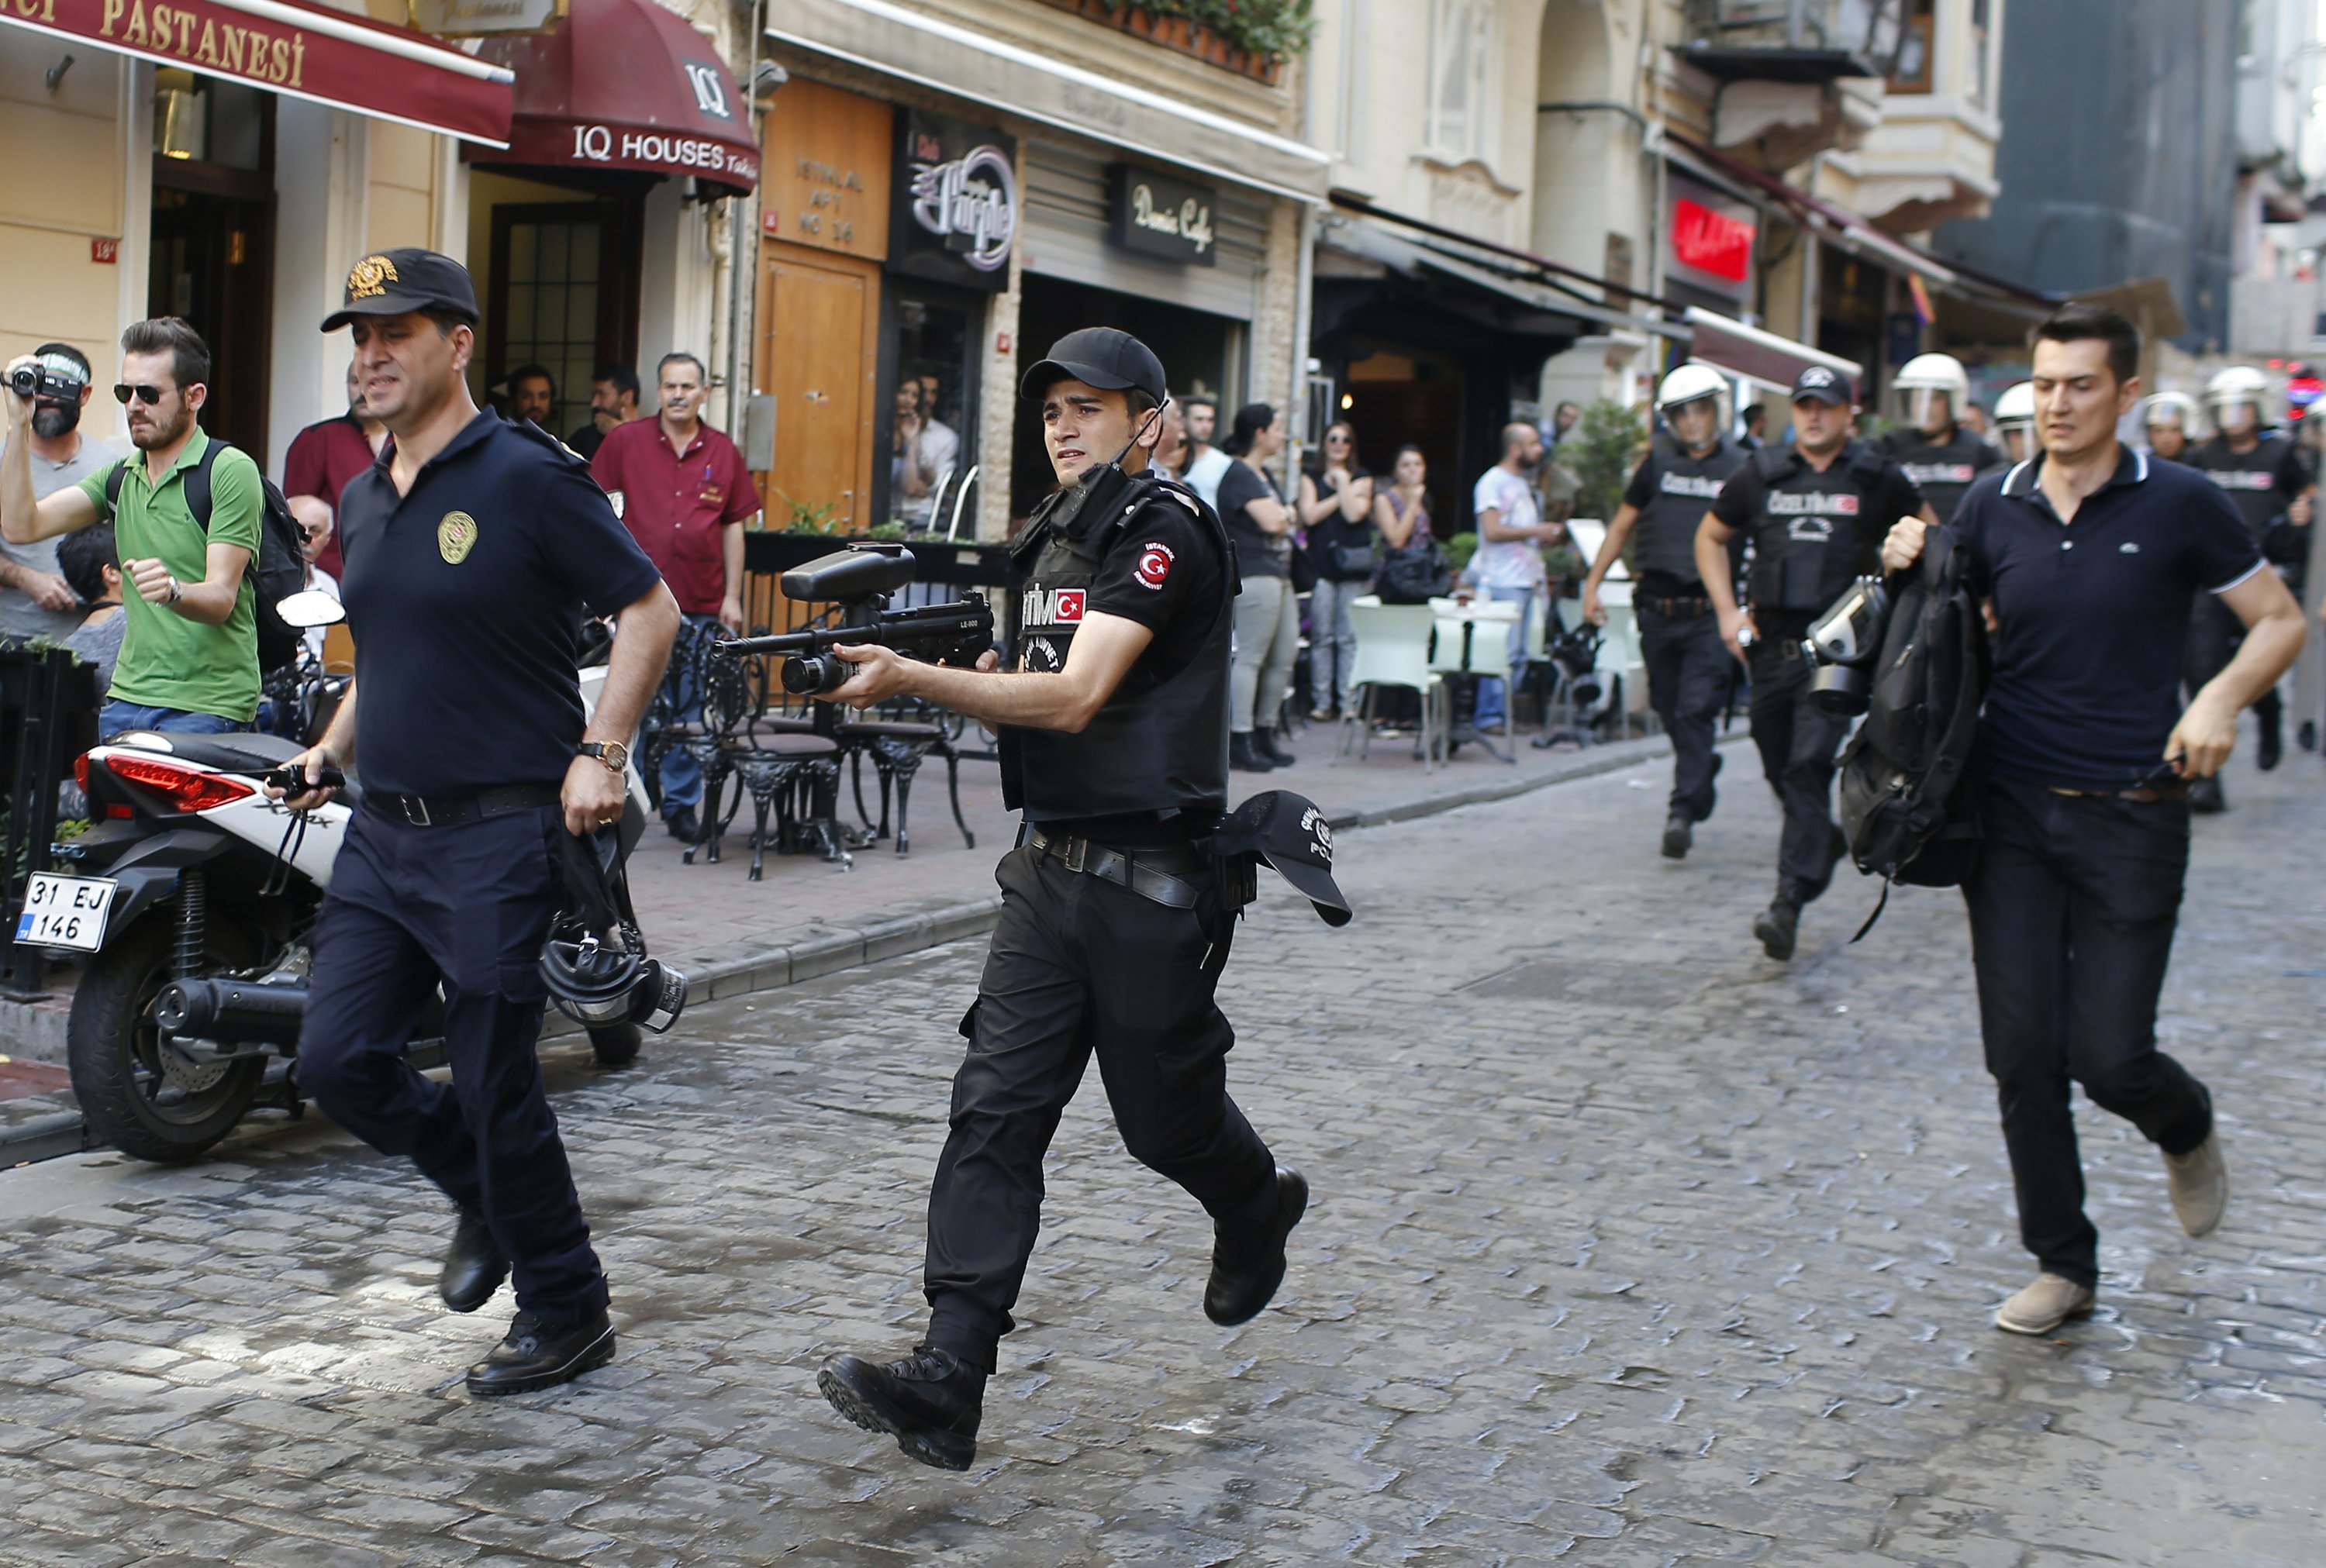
x,y
2235,399
1689,392
1916,390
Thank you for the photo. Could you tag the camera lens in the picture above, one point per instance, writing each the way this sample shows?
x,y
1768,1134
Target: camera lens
x,y
813,674
24,381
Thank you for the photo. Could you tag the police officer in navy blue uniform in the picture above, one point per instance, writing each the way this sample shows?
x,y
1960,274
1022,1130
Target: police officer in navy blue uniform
x,y
473,547
1680,637
2272,487
1817,513
1116,911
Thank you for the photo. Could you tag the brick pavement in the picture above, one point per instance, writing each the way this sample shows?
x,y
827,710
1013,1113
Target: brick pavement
x,y
1629,1248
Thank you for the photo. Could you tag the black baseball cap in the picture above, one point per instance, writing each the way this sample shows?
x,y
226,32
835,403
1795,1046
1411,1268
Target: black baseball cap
x,y
1818,383
1105,358
1289,832
395,282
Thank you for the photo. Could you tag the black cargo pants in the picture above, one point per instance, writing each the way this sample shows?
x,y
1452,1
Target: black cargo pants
x,y
1798,744
1688,681
1079,967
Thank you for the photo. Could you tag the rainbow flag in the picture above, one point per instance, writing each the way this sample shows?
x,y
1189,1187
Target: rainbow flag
x,y
1922,312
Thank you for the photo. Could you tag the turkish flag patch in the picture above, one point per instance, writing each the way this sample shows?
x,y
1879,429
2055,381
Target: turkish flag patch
x,y
1070,604
1155,562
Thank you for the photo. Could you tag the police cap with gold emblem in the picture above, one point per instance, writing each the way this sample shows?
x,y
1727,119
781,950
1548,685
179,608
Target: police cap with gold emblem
x,y
395,282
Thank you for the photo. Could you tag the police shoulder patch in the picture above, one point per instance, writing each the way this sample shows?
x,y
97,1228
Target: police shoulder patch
x,y
1155,562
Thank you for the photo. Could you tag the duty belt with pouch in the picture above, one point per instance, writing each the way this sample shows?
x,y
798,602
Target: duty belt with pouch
x,y
1164,876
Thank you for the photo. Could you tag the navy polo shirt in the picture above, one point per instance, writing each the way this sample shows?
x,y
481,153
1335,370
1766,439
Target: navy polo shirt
x,y
2092,614
465,599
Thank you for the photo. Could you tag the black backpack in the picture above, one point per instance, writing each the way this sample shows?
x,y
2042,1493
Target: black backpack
x,y
1911,782
276,572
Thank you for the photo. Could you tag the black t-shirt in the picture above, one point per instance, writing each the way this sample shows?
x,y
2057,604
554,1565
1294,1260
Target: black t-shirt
x,y
1942,471
1334,533
465,599
1744,500
2091,615
1259,553
2261,483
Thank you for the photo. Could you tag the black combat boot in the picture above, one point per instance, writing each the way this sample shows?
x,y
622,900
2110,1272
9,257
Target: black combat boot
x,y
1269,745
930,1401
2205,796
1247,1269
1678,834
1777,925
541,1354
2273,737
473,1265
1245,757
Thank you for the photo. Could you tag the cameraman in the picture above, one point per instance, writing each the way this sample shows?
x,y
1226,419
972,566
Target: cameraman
x,y
2089,557
190,648
36,598
1114,924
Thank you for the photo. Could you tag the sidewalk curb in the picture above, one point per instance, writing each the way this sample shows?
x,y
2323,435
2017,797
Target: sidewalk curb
x,y
740,968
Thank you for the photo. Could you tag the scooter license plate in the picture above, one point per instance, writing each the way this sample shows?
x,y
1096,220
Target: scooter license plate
x,y
66,911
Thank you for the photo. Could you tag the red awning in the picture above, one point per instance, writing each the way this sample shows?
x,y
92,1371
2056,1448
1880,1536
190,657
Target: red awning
x,y
299,48
625,84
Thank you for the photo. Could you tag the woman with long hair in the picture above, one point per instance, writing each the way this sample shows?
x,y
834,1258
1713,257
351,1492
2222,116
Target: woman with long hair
x,y
1266,615
1337,508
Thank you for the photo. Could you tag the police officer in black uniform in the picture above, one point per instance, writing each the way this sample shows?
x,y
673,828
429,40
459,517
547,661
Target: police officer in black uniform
x,y
472,546
2273,488
1116,916
1680,635
1817,513
1938,453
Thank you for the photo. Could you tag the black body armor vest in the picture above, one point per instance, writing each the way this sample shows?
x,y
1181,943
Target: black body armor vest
x,y
2249,478
1941,470
1686,487
1816,535
1160,744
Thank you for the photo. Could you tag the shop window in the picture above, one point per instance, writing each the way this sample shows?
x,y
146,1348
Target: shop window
x,y
930,423
1982,52
1461,60
212,239
562,294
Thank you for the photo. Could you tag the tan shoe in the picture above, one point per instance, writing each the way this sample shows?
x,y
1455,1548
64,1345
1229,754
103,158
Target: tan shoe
x,y
2045,1305
2199,1180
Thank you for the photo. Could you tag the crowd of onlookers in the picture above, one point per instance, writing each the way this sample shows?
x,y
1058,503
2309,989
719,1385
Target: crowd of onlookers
x,y
1347,533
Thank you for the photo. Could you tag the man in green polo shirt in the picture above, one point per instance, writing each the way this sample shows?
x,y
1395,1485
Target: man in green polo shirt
x,y
190,647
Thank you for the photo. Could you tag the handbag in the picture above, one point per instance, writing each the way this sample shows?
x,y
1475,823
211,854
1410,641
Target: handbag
x,y
1415,573
1355,563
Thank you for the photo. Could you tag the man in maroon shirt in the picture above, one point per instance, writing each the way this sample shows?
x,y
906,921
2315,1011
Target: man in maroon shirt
x,y
681,490
323,459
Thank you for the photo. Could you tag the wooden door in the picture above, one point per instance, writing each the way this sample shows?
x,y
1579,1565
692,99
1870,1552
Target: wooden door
x,y
819,361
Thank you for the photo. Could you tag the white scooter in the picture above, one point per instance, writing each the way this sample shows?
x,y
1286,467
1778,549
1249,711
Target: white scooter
x,y
194,892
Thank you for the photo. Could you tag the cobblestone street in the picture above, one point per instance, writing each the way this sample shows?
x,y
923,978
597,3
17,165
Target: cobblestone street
x,y
1629,1246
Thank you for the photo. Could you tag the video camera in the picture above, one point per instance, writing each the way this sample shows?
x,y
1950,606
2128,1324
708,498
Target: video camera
x,y
51,376
859,580
1843,644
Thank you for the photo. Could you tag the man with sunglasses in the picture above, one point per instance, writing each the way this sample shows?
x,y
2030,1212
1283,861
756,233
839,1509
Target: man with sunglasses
x,y
2088,557
190,647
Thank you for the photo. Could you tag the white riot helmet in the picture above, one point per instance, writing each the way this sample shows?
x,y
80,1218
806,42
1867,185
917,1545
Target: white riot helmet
x,y
1693,383
1921,379
2239,384
2015,421
2173,408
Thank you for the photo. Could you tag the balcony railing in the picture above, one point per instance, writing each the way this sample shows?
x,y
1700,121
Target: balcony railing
x,y
1793,40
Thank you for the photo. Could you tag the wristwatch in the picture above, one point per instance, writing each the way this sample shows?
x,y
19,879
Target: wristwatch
x,y
612,753
177,591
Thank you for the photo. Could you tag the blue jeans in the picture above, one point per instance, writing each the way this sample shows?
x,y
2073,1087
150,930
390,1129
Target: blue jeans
x,y
682,770
117,716
1492,697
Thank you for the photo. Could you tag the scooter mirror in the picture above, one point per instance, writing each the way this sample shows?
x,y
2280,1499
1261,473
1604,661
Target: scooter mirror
x,y
310,607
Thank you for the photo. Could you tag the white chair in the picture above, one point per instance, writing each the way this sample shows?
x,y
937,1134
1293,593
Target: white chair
x,y
1489,654
1619,656
1393,651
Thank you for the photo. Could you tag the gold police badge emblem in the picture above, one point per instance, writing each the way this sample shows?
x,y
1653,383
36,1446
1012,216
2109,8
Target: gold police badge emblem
x,y
370,276
455,537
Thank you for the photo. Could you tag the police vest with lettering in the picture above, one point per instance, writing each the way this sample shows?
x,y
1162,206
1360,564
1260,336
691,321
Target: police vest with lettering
x,y
1686,486
1160,742
2249,478
1815,534
1942,471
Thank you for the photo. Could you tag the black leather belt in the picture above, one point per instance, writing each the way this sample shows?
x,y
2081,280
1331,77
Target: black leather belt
x,y
444,812
1677,607
1160,875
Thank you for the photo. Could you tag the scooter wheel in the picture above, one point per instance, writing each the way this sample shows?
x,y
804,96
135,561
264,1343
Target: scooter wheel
x,y
138,1095
617,1045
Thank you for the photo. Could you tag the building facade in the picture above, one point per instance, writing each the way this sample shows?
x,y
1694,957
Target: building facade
x,y
227,161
